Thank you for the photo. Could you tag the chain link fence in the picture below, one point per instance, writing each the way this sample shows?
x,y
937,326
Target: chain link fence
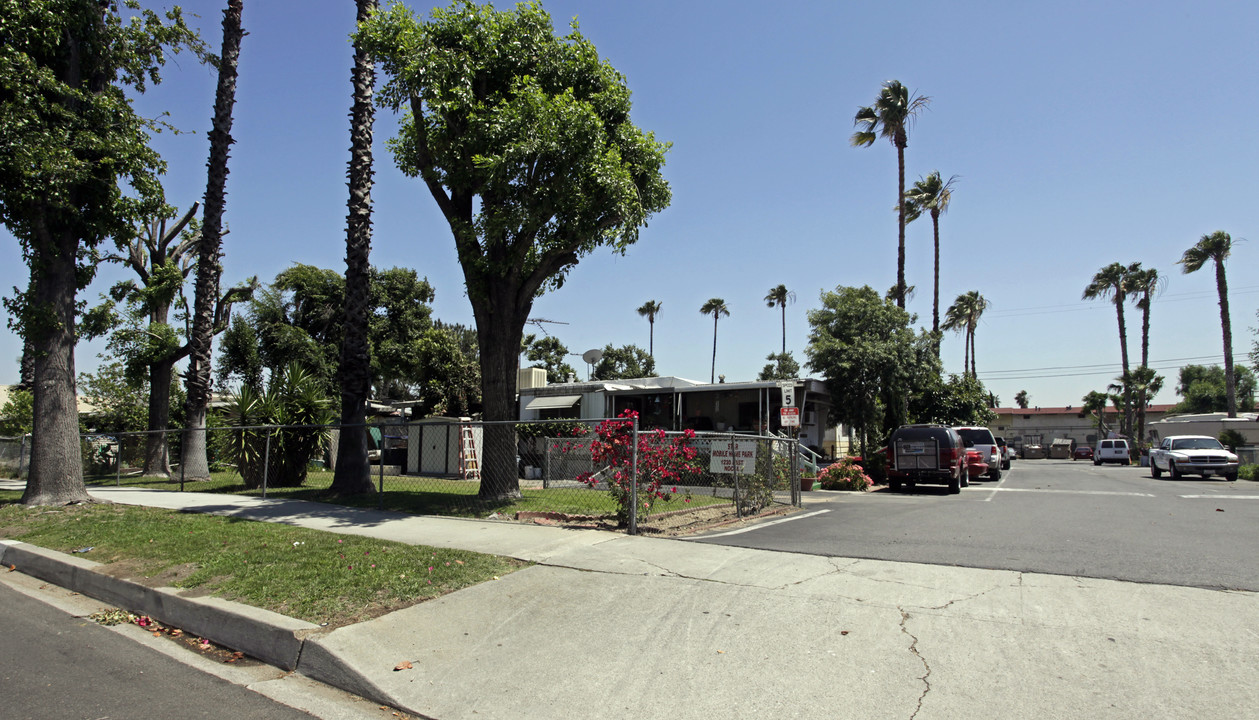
x,y
443,466
14,455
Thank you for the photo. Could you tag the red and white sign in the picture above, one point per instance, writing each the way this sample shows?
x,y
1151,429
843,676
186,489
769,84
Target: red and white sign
x,y
790,416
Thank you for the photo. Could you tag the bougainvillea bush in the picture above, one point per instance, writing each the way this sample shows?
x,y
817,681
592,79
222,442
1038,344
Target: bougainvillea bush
x,y
844,475
662,463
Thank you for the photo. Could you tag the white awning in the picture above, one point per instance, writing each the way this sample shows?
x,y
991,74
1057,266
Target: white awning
x,y
547,402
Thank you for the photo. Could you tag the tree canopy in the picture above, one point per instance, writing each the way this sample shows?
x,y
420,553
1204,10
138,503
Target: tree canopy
x,y
623,363
870,356
1203,389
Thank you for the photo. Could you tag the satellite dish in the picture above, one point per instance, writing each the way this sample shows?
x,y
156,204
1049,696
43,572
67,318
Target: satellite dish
x,y
592,356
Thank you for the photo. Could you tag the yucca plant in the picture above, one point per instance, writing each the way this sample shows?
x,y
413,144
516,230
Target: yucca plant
x,y
293,398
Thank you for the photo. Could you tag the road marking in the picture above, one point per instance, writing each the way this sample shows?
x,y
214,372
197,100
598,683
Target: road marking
x,y
995,488
1220,497
1071,492
759,526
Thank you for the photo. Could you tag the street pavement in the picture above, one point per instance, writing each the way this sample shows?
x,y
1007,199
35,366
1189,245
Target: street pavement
x,y
615,626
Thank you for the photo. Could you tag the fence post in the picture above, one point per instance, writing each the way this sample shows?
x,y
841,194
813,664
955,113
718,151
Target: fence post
x,y
633,513
796,498
734,468
381,493
21,457
266,463
118,464
183,452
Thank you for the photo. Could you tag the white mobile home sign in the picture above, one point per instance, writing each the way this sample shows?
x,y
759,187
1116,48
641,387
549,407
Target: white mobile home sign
x,y
733,456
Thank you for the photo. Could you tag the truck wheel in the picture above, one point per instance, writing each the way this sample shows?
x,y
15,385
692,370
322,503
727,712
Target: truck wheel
x,y
1097,462
1005,465
1155,471
894,485
995,474
966,479
1230,478
955,485
1172,471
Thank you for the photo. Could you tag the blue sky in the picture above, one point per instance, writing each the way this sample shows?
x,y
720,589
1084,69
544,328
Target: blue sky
x,y
1083,133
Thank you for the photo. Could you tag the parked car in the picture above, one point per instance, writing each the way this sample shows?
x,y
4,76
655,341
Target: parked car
x,y
981,439
1115,451
927,455
975,465
1084,452
1193,455
1007,454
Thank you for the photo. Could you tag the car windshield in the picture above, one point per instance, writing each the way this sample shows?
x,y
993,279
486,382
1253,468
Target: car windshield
x,y
1197,444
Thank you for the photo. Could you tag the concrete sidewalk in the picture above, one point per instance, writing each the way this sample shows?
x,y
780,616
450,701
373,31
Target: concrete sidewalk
x,y
630,627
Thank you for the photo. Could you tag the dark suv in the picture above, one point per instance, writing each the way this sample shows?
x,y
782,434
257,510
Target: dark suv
x,y
926,455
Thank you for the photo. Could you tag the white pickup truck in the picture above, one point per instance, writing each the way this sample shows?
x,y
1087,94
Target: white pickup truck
x,y
1192,455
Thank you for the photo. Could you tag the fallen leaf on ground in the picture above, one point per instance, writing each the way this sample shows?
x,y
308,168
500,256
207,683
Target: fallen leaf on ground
x,y
12,568
235,656
404,665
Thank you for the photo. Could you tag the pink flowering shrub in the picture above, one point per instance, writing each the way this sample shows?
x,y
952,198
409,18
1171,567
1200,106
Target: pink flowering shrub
x,y
844,475
662,462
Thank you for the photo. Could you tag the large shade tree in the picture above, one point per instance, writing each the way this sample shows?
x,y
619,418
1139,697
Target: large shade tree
x,y
891,116
931,195
872,359
717,308
72,141
209,255
1215,248
524,141
779,297
1113,282
353,473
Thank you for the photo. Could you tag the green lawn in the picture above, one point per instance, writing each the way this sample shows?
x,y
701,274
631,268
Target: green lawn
x,y
420,495
317,576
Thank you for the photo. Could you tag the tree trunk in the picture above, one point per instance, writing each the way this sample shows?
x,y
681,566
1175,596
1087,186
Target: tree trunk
x,y
784,327
712,375
156,454
499,334
56,465
353,470
208,267
1230,382
900,226
651,338
935,294
1126,429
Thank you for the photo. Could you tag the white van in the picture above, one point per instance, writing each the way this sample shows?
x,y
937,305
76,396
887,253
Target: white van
x,y
1115,451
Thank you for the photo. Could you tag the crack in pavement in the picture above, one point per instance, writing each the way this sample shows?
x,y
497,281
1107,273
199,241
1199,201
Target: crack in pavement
x,y
913,648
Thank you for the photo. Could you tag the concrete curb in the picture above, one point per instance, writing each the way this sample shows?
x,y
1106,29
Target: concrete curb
x,y
273,638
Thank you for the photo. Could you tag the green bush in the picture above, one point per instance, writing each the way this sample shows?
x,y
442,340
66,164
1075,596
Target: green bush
x,y
1248,472
1231,439
844,475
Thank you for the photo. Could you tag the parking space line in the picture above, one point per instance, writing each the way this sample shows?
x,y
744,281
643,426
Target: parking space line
x,y
1073,492
1220,497
1004,476
759,525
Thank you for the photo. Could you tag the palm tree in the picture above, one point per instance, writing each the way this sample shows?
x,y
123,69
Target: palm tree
x,y
1112,282
963,316
780,296
890,116
352,474
715,307
650,310
931,194
1142,284
1216,247
195,465
1020,399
